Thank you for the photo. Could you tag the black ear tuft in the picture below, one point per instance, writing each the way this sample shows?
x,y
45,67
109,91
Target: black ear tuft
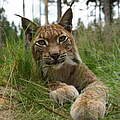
x,y
66,20
28,26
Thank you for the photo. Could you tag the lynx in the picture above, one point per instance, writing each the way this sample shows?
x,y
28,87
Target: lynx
x,y
55,52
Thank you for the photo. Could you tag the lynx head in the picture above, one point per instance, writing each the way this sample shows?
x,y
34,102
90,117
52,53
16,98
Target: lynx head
x,y
52,44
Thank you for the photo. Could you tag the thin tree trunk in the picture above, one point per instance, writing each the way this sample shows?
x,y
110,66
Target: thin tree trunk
x,y
0,36
33,9
118,8
108,21
24,8
100,12
108,11
25,36
0,29
95,15
40,10
59,10
46,12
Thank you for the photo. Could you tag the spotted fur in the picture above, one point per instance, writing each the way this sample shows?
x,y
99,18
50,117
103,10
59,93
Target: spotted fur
x,y
55,51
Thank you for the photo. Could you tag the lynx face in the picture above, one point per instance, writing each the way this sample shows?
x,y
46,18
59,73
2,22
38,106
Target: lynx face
x,y
52,44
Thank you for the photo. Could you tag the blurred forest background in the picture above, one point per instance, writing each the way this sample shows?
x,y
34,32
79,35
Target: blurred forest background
x,y
22,92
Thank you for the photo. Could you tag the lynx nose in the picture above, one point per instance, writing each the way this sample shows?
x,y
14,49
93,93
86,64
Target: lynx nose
x,y
55,56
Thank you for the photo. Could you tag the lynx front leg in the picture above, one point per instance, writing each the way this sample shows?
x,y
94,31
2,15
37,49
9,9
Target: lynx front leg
x,y
91,104
63,93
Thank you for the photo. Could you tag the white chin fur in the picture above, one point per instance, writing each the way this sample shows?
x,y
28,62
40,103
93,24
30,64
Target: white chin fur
x,y
58,66
69,61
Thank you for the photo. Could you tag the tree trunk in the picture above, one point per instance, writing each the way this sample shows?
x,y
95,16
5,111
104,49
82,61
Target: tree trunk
x,y
118,8
24,8
46,12
108,11
59,9
32,9
0,36
100,12
25,36
0,29
40,10
108,21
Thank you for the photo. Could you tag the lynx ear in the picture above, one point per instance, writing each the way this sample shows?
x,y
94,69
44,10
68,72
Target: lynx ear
x,y
66,20
29,27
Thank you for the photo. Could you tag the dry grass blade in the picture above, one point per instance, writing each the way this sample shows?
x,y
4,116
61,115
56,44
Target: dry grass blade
x,y
58,112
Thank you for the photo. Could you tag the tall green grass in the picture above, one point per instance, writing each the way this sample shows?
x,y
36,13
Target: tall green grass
x,y
99,49
18,71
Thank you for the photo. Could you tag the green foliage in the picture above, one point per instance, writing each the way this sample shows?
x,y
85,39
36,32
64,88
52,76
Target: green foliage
x,y
18,70
7,29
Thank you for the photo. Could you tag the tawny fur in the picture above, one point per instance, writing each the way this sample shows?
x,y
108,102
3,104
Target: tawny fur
x,y
70,76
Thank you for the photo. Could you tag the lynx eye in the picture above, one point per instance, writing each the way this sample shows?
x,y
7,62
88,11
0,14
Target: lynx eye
x,y
62,38
41,43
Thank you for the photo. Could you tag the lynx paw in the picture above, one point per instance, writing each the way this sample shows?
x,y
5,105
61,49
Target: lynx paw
x,y
87,110
64,94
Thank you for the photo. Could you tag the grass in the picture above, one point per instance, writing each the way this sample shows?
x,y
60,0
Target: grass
x,y
18,71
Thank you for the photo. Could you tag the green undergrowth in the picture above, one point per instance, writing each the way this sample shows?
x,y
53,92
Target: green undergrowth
x,y
98,50
18,71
